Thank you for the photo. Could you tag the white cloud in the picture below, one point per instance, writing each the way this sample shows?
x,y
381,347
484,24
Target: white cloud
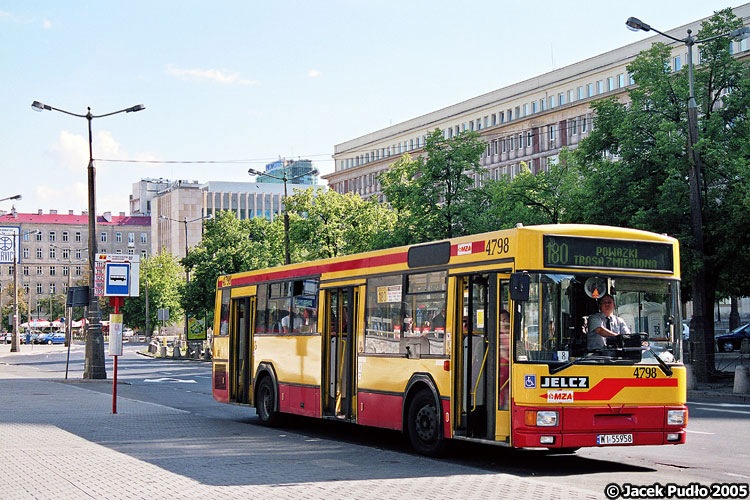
x,y
4,14
72,196
72,150
47,24
313,73
208,74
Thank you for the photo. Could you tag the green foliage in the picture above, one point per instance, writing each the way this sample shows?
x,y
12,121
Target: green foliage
x,y
7,309
164,277
549,197
328,224
229,246
431,194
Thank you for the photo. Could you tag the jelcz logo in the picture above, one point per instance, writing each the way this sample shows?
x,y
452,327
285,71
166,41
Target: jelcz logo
x,y
529,381
560,396
564,382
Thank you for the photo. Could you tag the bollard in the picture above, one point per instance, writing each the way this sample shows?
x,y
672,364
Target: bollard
x,y
163,351
741,380
690,381
176,352
207,354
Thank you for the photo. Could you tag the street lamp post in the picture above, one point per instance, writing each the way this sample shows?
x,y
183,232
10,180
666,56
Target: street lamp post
x,y
703,351
94,359
14,342
185,221
284,179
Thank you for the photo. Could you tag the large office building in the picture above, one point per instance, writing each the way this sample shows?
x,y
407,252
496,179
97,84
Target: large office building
x,y
299,170
53,249
177,210
525,123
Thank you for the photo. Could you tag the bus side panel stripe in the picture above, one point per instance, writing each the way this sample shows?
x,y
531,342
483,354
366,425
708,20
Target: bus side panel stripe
x,y
300,400
379,410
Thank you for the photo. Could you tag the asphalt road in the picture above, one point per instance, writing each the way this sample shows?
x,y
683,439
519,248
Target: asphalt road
x,y
717,448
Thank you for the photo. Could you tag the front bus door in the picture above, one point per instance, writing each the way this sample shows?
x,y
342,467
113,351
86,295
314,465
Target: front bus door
x,y
482,357
339,351
240,347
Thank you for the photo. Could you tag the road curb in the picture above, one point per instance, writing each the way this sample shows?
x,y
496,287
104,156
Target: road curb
x,y
718,396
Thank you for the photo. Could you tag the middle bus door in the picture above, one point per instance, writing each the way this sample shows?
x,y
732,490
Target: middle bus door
x,y
341,305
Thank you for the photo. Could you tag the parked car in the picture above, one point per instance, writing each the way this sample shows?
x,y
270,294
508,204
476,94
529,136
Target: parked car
x,y
44,338
57,338
34,337
732,340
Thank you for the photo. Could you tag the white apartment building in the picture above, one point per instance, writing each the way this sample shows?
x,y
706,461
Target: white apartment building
x,y
529,122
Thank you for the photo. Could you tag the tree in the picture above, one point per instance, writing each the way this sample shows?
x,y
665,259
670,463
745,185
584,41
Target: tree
x,y
7,309
431,193
328,224
163,274
549,197
635,164
229,246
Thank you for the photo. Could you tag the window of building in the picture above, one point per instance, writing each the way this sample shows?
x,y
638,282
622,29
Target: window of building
x,y
517,113
51,288
103,237
25,236
676,63
52,252
65,270
25,270
118,237
529,139
561,98
39,236
78,253
52,236
610,84
599,87
620,80
38,253
131,238
144,254
131,251
503,143
66,253
52,270
26,289
520,141
118,251
542,105
39,270
78,270
78,236
552,103
631,79
584,125
38,292
526,108
573,126
580,93
25,253
552,133
589,90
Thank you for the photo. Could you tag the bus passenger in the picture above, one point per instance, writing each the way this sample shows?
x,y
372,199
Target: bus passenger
x,y
605,324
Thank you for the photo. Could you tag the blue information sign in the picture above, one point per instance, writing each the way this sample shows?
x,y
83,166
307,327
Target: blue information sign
x,y
117,279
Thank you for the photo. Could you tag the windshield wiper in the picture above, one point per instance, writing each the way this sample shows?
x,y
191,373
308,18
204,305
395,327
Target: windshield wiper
x,y
664,367
563,366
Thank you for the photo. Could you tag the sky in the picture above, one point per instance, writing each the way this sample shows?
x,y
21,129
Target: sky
x,y
242,83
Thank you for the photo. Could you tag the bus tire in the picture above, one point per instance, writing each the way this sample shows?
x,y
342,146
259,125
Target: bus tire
x,y
267,402
423,425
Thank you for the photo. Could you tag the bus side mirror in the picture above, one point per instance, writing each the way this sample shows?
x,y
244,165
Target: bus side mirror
x,y
519,286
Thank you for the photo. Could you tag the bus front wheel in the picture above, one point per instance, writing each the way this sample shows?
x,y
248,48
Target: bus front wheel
x,y
423,425
266,402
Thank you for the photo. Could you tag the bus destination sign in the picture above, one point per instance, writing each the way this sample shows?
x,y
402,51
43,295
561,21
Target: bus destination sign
x,y
577,252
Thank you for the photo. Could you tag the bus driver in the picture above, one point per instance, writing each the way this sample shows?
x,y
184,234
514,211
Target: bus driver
x,y
605,324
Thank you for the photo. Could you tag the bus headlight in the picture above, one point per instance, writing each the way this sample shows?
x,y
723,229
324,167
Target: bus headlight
x,y
541,418
676,417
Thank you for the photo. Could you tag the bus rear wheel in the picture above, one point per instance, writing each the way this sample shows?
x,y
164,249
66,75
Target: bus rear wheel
x,y
423,425
266,403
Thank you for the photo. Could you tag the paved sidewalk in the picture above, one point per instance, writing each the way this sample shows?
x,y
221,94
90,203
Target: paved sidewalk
x,y
60,441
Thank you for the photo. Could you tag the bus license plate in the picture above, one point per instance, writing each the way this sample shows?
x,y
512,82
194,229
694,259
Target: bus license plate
x,y
614,439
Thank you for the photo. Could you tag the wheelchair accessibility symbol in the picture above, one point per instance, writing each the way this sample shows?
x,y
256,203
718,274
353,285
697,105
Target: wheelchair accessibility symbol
x,y
529,381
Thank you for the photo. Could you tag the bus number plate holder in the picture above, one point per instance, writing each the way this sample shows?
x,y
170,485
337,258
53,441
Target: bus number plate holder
x,y
609,439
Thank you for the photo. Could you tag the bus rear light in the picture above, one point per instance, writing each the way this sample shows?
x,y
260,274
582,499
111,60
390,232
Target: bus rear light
x,y
546,439
447,365
534,418
676,417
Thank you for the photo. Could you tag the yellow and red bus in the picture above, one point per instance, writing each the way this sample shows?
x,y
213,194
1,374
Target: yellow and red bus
x,y
480,338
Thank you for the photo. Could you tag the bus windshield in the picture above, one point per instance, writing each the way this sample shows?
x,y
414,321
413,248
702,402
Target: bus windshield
x,y
554,323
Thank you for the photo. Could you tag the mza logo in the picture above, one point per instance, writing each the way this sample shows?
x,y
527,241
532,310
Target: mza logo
x,y
560,396
529,381
564,382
